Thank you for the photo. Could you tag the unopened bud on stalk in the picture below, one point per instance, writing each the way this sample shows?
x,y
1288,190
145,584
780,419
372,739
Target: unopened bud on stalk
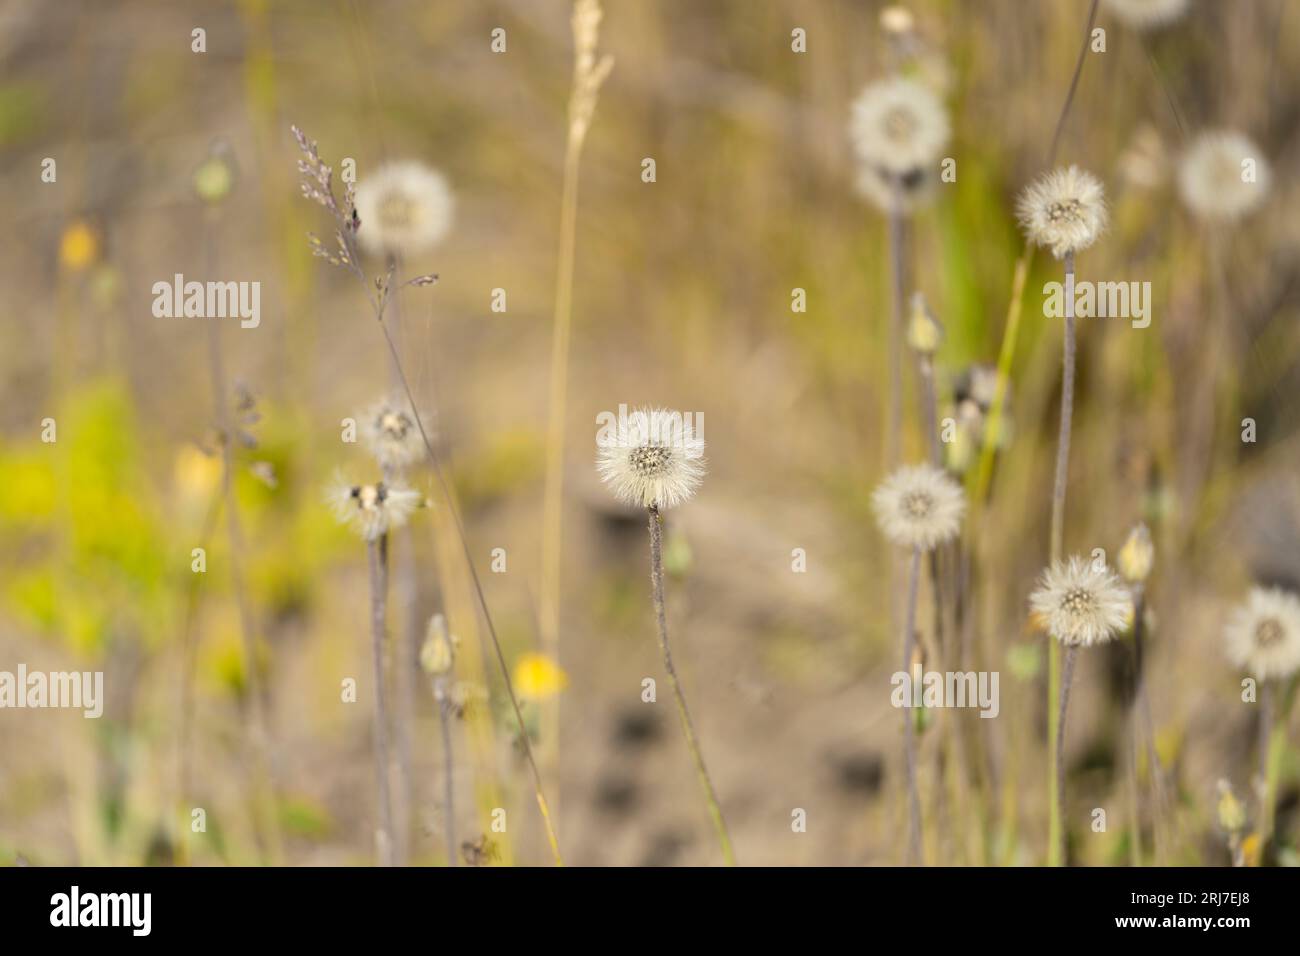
x,y
215,176
924,333
437,653
1137,555
1232,815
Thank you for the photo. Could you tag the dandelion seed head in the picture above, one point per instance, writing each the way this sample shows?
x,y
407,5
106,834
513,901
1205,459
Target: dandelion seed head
x,y
373,510
1147,14
391,434
404,209
1213,180
655,458
1081,604
1063,210
919,506
1263,634
898,128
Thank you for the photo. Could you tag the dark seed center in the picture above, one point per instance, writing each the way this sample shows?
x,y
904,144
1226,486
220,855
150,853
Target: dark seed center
x,y
1067,210
650,460
394,424
900,124
1268,632
396,211
1078,601
917,504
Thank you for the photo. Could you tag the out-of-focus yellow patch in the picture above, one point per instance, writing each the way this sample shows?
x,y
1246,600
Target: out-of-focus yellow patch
x,y
196,474
214,179
79,247
221,660
1024,660
1250,850
537,677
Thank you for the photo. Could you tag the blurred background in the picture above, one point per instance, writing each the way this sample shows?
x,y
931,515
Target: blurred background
x,y
682,298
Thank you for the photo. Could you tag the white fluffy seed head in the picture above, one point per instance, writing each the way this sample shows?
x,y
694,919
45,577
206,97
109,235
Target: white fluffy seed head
x,y
919,506
899,129
1223,176
1063,210
1080,604
404,208
373,510
654,458
391,435
1263,634
1147,14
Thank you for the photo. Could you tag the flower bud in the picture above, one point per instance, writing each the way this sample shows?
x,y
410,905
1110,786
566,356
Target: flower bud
x,y
924,333
1137,555
437,653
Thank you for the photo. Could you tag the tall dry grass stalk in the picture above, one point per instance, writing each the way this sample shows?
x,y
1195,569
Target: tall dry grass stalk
x,y
589,73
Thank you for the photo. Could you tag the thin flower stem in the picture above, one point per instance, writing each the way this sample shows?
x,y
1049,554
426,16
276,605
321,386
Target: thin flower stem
x,y
443,700
1067,415
930,406
895,422
264,799
909,718
406,633
1134,802
1067,674
1272,744
688,729
952,754
378,554
1054,683
189,651
542,805
378,302
1143,727
1074,84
